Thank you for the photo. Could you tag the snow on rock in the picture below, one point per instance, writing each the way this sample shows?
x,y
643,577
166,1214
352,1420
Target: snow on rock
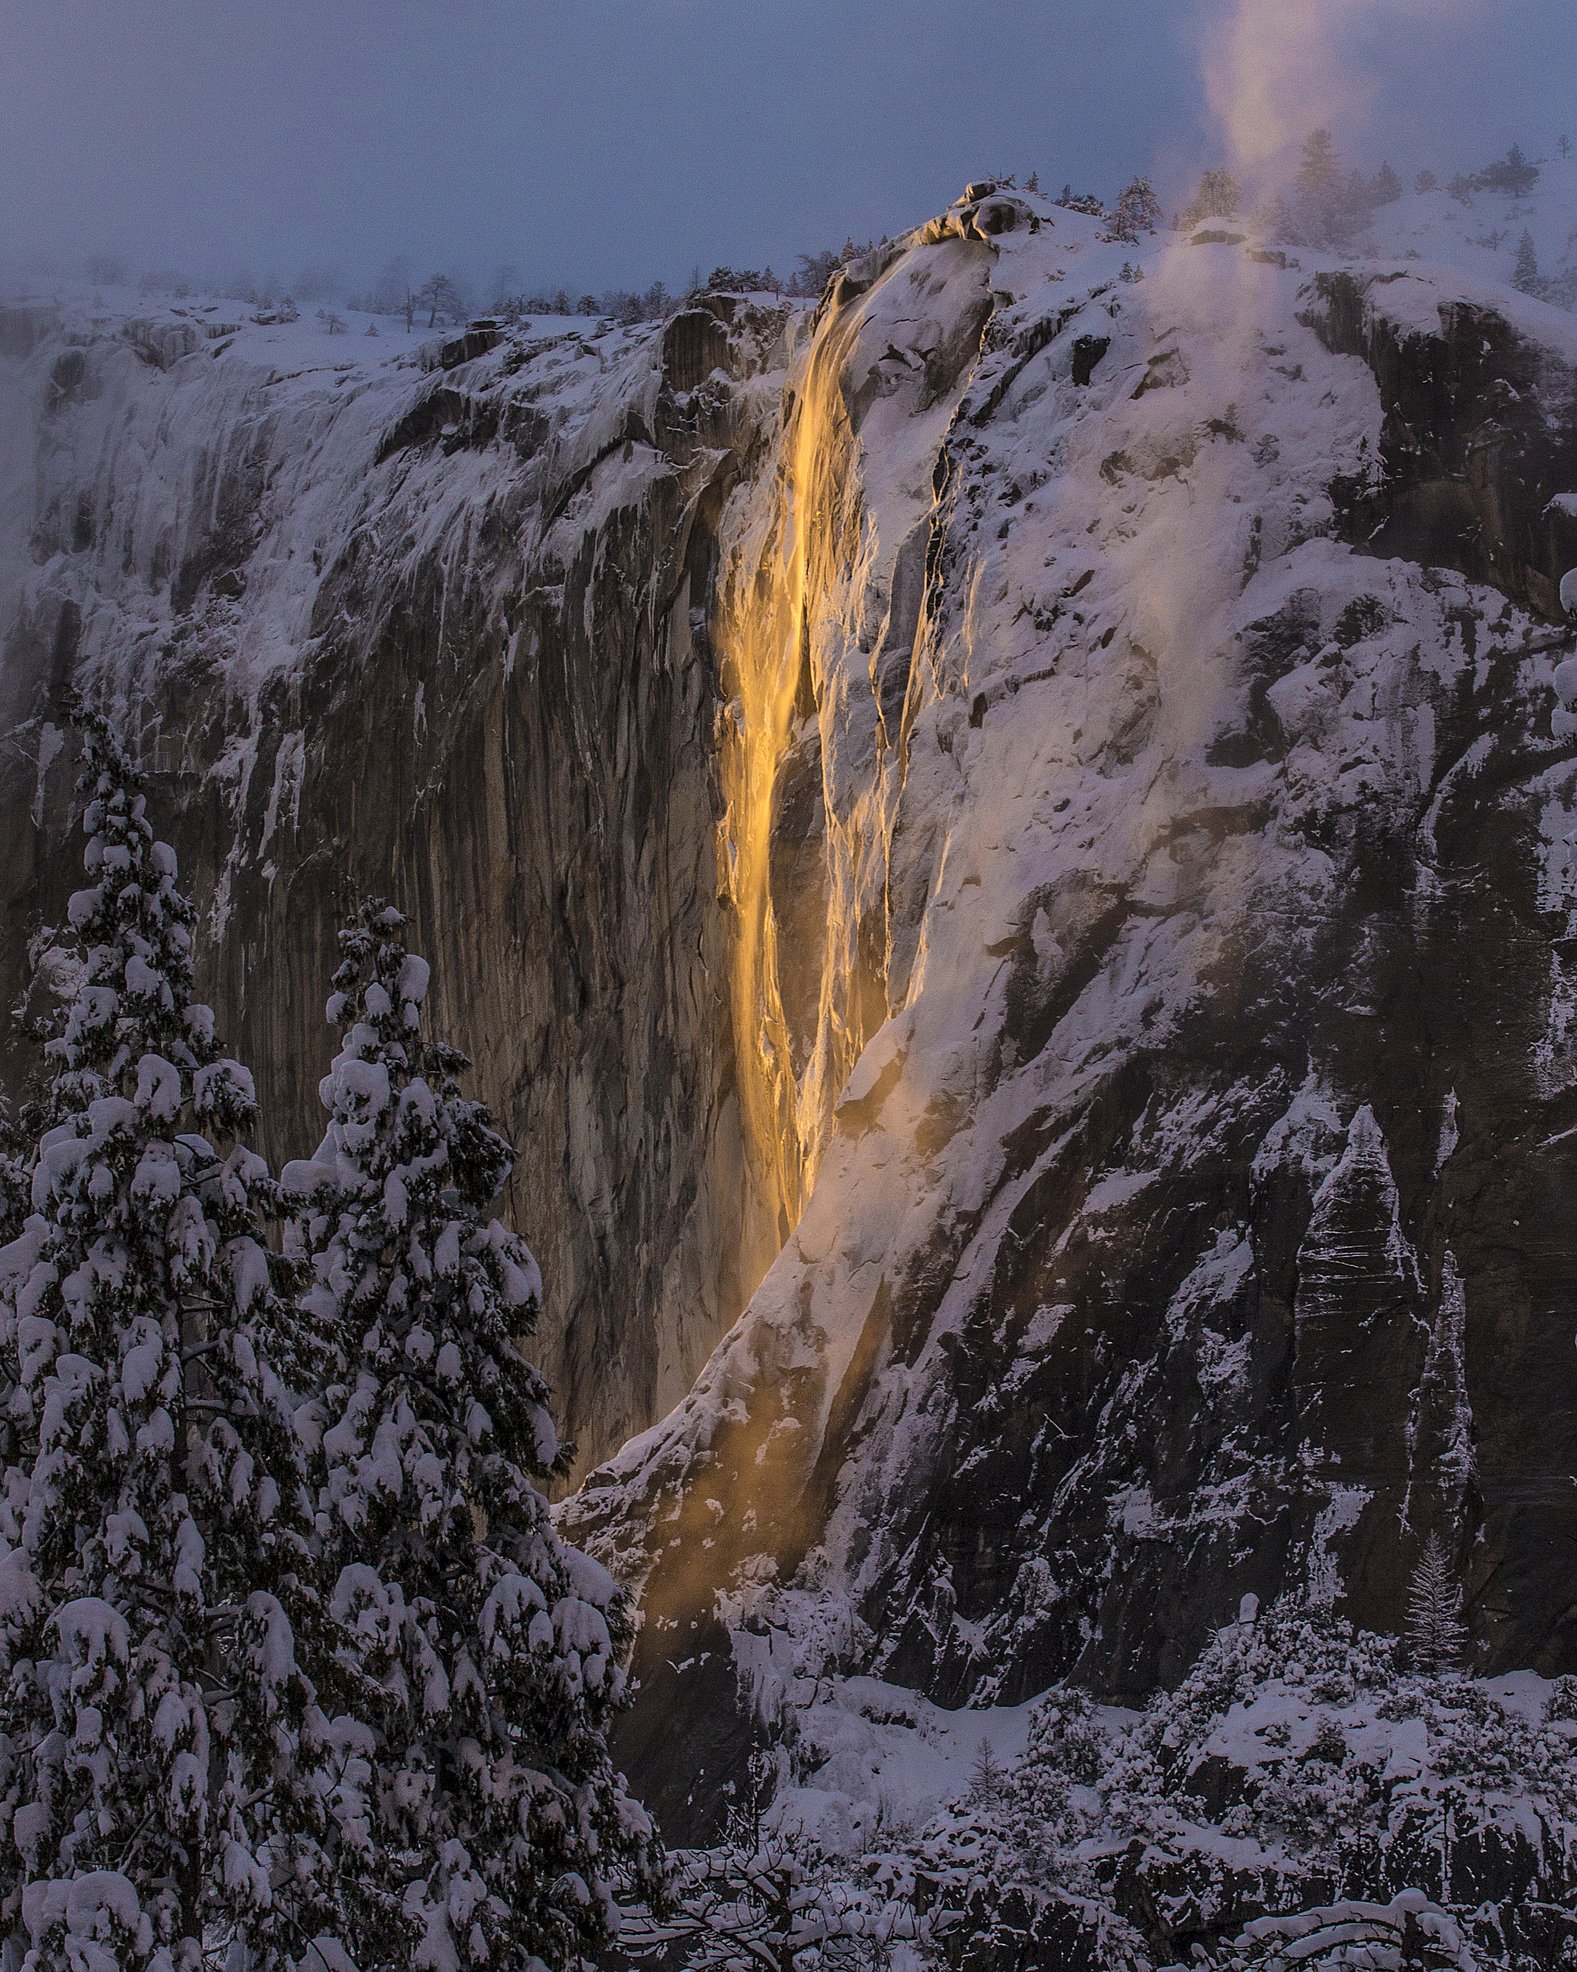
x,y
981,823
1175,841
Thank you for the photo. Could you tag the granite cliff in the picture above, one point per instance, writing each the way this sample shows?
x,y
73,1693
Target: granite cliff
x,y
1006,847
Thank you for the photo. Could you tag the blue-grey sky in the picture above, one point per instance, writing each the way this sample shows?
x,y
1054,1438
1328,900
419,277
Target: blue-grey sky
x,y
598,142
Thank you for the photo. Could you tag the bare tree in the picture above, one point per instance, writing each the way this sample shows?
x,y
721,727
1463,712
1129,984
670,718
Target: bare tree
x,y
440,295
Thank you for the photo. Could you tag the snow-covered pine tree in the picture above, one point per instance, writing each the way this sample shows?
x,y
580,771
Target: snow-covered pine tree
x,y
486,1653
1319,171
1526,274
1385,188
1436,1634
1137,211
1218,196
16,1177
163,1765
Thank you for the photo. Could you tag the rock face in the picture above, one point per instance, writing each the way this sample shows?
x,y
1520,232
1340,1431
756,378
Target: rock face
x,y
1011,824
1479,439
1196,1223
442,638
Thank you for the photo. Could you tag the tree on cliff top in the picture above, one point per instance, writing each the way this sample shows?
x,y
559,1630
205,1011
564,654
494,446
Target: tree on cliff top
x,y
1512,174
485,1652
164,1767
440,295
1217,196
1137,211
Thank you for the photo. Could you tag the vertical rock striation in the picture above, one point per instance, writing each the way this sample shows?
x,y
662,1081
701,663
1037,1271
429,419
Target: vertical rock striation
x,y
1007,833
439,634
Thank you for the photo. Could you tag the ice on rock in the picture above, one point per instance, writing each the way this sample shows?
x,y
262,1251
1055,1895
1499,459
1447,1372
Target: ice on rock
x,y
1569,592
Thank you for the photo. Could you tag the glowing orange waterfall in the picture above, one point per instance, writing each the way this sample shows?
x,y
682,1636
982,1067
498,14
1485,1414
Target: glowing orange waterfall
x,y
766,633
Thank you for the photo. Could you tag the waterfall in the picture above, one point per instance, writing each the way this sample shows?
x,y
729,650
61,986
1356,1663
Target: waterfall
x,y
788,628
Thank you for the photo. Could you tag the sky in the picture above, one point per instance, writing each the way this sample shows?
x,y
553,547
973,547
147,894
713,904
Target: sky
x,y
596,143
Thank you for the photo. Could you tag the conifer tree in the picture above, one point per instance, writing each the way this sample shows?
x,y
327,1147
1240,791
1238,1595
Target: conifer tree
x,y
1218,196
1137,211
1526,275
486,1652
1385,188
1436,1634
1328,203
16,1178
1318,171
163,1763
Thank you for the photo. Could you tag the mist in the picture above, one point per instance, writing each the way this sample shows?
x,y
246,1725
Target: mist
x,y
588,142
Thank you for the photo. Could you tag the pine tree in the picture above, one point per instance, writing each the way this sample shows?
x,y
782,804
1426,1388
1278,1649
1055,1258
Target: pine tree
x,y
164,1768
16,1177
487,1654
1218,196
1436,1634
1385,188
1526,274
1329,203
1512,175
1319,171
1137,211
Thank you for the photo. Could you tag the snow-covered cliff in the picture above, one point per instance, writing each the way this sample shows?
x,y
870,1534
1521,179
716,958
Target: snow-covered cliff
x,y
1193,1218
1027,807
423,625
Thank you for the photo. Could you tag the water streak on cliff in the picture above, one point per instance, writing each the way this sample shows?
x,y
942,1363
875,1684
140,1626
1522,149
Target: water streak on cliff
x,y
773,605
